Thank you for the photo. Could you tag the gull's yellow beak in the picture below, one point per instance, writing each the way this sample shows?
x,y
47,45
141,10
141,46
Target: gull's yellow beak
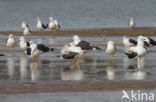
x,y
114,42
129,50
66,51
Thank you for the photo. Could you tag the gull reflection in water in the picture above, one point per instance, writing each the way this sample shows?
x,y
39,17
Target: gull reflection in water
x,y
126,62
52,40
136,75
137,63
110,71
23,67
72,73
39,41
140,63
11,67
35,72
69,74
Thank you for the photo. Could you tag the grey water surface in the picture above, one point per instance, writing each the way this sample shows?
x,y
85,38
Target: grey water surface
x,y
77,14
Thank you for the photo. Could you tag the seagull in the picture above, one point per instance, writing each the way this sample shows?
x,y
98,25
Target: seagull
x,y
57,26
11,42
150,41
70,51
111,48
127,42
22,43
83,44
132,23
145,41
27,31
138,51
73,52
51,24
24,25
41,26
35,50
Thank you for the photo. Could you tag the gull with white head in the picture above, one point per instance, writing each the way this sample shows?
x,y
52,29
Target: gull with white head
x,y
84,44
132,23
35,50
24,25
111,48
40,25
138,51
11,43
127,42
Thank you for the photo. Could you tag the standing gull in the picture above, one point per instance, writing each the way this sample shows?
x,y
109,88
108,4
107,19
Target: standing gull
x,y
83,44
111,48
27,31
132,23
51,24
23,44
70,51
138,51
41,26
24,25
57,26
35,50
148,40
73,52
11,43
127,42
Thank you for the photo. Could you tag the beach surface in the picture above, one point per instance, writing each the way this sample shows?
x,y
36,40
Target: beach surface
x,y
53,78
146,31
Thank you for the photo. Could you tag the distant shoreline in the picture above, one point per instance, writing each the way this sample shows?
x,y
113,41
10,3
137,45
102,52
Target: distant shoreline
x,y
146,31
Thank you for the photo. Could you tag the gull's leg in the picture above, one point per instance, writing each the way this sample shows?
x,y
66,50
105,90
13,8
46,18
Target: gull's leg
x,y
9,50
76,62
13,51
72,66
38,59
113,59
32,60
109,59
136,62
139,62
24,53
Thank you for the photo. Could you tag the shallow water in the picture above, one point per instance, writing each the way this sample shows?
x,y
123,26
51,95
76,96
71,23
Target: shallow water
x,y
77,14
95,65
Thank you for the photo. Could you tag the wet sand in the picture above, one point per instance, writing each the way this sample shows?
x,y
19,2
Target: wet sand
x,y
147,31
20,87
